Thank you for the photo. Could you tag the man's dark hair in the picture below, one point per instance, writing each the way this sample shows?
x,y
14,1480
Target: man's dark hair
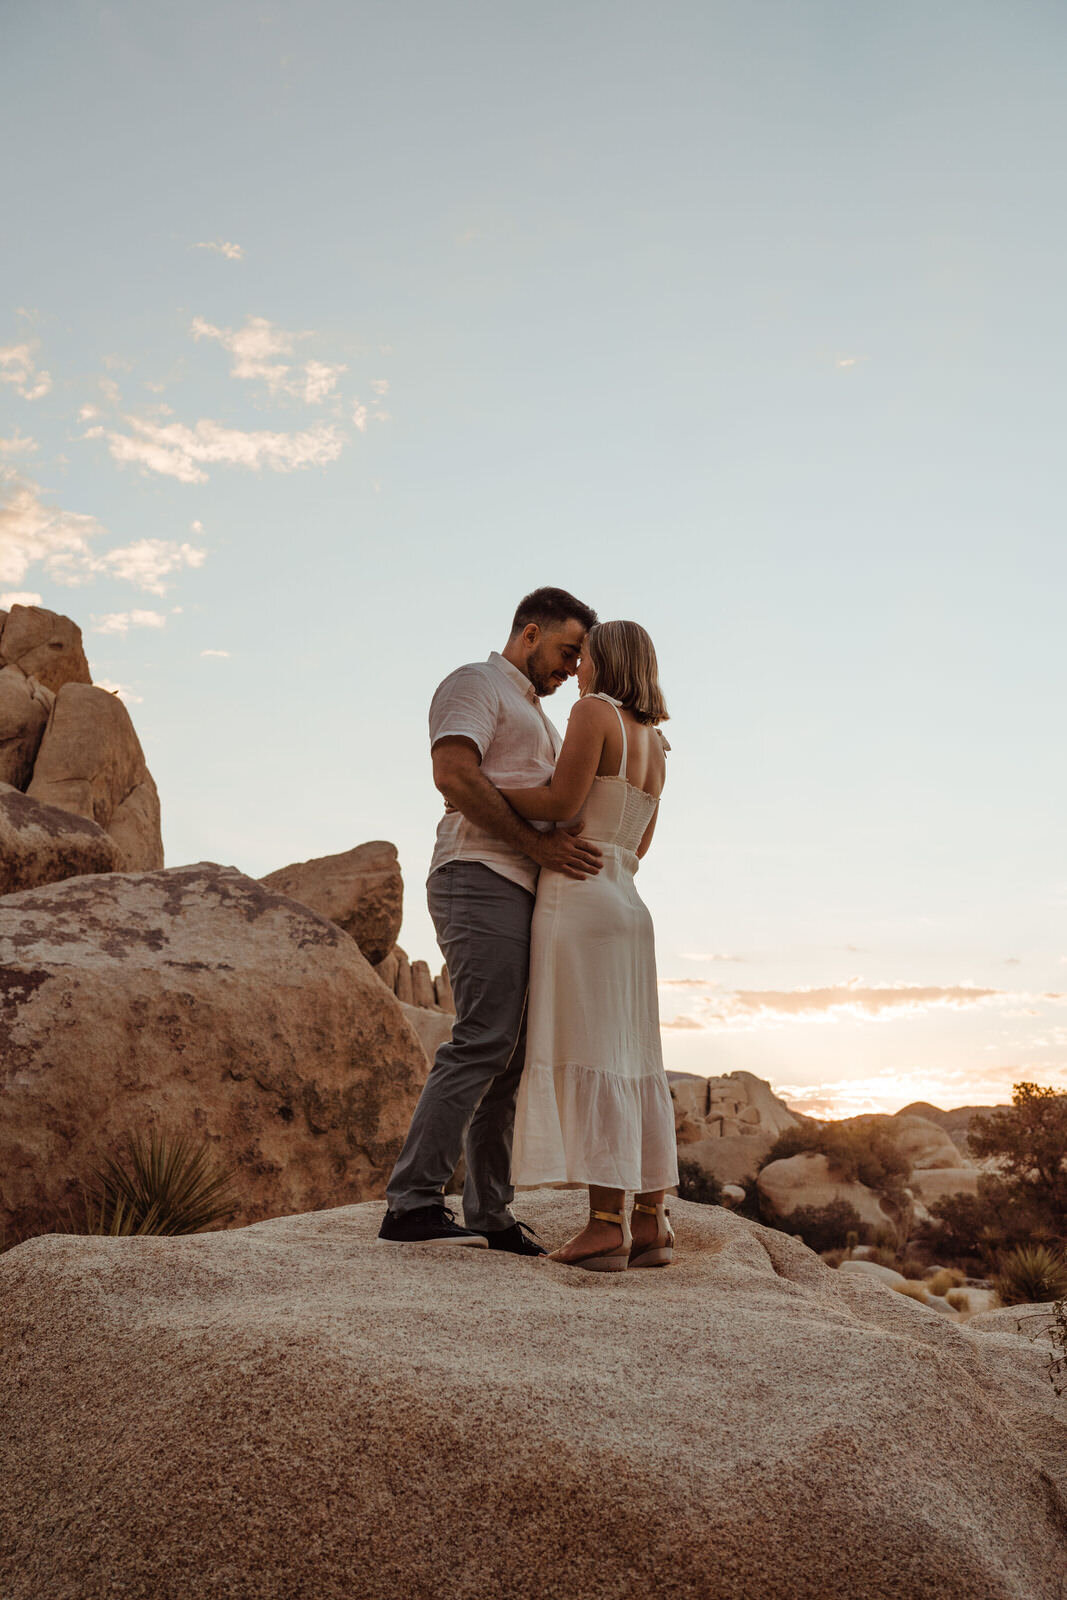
x,y
551,608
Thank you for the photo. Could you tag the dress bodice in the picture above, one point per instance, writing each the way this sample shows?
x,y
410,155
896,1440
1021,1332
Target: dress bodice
x,y
617,812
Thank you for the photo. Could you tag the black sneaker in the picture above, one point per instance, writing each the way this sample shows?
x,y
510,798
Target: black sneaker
x,y
516,1240
427,1225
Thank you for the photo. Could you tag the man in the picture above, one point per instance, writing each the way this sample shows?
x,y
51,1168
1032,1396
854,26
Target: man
x,y
487,727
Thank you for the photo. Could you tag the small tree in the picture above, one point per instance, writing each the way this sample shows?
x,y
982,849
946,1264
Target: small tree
x,y
1030,1142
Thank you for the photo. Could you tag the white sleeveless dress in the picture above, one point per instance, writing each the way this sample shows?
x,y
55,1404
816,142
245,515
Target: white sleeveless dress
x,y
594,1105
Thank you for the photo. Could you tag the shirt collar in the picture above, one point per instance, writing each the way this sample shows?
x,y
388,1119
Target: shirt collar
x,y
519,679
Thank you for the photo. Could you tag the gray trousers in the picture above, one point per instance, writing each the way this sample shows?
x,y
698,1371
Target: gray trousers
x,y
468,1101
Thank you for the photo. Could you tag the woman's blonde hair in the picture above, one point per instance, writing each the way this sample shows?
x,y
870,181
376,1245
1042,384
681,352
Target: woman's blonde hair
x,y
623,659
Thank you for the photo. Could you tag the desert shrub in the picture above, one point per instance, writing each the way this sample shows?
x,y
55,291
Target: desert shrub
x,y
1032,1272
824,1227
158,1185
1029,1140
913,1290
856,1153
944,1279
977,1228
959,1299
696,1184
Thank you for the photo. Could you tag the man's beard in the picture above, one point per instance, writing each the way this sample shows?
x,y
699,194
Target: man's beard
x,y
543,677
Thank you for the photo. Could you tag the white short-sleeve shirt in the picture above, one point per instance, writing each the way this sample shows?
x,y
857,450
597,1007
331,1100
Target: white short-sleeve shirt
x,y
496,706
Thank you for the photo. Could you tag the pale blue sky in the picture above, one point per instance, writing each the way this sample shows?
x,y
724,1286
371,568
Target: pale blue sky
x,y
744,320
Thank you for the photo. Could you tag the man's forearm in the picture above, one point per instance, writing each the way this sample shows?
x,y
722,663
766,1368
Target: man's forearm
x,y
483,804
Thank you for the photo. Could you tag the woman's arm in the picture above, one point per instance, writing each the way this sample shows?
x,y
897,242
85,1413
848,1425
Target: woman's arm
x,y
575,770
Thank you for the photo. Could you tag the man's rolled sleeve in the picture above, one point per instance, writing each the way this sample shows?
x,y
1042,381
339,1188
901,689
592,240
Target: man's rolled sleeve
x,y
465,706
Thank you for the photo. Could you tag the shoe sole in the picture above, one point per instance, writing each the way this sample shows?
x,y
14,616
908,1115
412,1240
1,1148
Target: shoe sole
x,y
653,1257
475,1242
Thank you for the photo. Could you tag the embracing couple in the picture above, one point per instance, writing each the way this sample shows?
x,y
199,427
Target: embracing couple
x,y
554,1072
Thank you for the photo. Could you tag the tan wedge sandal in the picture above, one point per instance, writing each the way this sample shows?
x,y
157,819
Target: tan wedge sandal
x,y
616,1259
661,1252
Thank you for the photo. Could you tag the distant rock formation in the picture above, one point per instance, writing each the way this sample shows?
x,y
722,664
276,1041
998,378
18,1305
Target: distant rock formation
x,y
361,890
414,984
294,1410
199,1001
727,1124
956,1123
66,743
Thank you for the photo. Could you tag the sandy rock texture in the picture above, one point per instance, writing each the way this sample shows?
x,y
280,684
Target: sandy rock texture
x,y
727,1125
43,645
361,890
91,763
412,982
42,844
808,1180
24,708
292,1412
195,1000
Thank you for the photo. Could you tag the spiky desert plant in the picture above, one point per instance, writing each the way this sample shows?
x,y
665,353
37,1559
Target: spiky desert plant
x,y
161,1185
1031,1273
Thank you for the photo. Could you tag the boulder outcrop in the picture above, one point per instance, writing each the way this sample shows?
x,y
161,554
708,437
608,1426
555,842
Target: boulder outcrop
x,y
727,1125
43,645
42,844
808,1180
91,763
198,1001
24,708
361,890
293,1410
408,979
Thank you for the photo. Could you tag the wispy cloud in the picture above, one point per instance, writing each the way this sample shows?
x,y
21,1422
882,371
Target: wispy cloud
x,y
125,694
147,562
854,1000
222,247
19,597
18,366
177,451
32,532
123,621
20,445
712,955
256,349
890,1090
223,655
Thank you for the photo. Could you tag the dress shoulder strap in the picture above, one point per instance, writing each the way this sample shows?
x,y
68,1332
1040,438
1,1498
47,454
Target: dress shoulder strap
x,y
622,725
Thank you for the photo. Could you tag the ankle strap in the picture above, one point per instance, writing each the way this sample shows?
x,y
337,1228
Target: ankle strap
x,y
607,1216
651,1211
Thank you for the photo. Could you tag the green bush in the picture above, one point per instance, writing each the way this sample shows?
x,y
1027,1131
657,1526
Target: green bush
x,y
1032,1272
696,1184
856,1153
825,1227
161,1185
979,1228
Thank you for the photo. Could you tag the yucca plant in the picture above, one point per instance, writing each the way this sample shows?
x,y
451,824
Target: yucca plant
x,y
158,1185
1031,1273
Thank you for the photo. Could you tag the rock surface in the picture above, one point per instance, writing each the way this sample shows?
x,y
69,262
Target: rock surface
x,y
194,1000
42,844
292,1412
361,890
24,708
408,981
91,763
431,1027
726,1125
43,645
808,1180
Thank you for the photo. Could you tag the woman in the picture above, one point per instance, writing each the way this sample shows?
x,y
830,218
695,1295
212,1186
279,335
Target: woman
x,y
594,1106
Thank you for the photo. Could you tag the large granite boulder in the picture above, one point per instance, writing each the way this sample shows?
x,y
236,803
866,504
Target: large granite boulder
x,y
43,645
809,1180
42,844
361,890
293,1410
91,763
199,1001
726,1125
24,708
